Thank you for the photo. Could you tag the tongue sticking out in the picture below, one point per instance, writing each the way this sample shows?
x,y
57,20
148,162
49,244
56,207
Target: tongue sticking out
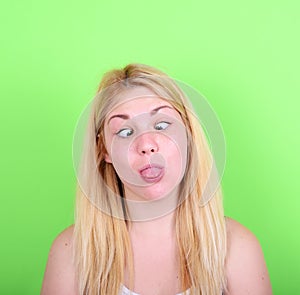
x,y
152,174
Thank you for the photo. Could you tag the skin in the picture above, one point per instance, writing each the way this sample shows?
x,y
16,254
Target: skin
x,y
136,131
245,266
155,239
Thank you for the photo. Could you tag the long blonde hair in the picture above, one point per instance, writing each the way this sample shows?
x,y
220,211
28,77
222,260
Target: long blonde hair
x,y
102,245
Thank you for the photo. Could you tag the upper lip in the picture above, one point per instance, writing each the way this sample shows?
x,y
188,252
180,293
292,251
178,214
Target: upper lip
x,y
150,166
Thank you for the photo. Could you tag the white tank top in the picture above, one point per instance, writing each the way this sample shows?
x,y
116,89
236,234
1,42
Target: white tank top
x,y
126,291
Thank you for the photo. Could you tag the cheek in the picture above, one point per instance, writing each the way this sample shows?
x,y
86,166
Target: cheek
x,y
177,136
131,155
173,153
119,153
176,151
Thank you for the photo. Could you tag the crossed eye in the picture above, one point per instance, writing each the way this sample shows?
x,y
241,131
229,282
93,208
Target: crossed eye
x,y
161,125
126,132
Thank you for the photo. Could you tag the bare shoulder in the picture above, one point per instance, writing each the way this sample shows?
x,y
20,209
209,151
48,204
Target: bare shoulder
x,y
59,275
245,265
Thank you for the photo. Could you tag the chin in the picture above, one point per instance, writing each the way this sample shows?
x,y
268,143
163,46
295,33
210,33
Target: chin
x,y
156,193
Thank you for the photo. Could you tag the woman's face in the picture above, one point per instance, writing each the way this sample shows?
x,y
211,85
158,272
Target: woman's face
x,y
146,142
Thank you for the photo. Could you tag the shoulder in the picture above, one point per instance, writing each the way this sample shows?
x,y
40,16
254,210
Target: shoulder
x,y
59,275
237,233
245,265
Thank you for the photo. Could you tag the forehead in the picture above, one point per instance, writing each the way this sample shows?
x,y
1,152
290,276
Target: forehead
x,y
136,101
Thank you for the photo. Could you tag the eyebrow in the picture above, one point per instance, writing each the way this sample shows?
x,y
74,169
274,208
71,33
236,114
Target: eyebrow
x,y
153,112
126,117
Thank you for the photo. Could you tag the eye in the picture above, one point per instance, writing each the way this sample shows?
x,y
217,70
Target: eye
x,y
126,132
161,125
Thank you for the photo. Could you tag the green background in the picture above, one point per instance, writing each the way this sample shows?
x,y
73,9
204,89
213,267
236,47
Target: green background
x,y
243,56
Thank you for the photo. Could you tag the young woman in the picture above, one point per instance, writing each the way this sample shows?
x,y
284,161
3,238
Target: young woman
x,y
149,215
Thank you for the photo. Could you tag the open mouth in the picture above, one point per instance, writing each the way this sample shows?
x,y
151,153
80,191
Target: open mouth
x,y
152,173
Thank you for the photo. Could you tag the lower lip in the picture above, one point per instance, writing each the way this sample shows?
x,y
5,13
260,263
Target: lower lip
x,y
154,179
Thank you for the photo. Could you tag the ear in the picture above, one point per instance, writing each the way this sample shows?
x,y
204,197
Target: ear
x,y
107,158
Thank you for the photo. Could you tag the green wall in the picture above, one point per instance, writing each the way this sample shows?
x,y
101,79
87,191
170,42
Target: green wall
x,y
243,56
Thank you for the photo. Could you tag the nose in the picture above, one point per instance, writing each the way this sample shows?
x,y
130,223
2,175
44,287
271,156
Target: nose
x,y
147,144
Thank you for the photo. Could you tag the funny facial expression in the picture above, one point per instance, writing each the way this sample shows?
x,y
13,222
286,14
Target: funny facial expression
x,y
146,142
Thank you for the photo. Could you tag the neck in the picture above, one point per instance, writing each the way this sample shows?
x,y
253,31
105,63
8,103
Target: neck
x,y
160,227
150,212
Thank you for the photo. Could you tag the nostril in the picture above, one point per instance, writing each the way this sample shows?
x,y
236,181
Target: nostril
x,y
150,150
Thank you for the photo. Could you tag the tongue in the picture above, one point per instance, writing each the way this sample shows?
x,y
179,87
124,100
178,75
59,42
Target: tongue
x,y
151,172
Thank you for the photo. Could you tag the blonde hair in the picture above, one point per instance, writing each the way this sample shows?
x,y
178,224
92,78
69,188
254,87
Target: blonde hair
x,y
102,245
